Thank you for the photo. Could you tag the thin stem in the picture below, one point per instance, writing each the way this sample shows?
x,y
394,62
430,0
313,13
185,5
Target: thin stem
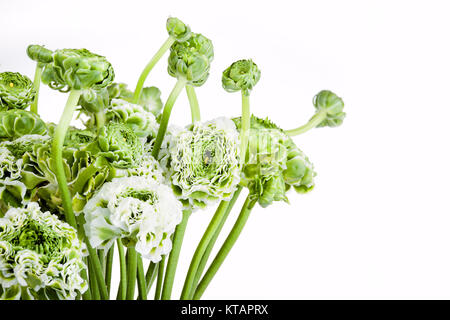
x,y
140,84
212,242
226,247
109,265
159,281
100,119
93,282
245,127
315,120
87,294
131,272
142,286
150,276
36,85
121,295
166,115
201,248
174,255
57,145
193,102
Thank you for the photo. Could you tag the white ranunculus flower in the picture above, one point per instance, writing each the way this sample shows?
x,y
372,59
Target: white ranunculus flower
x,y
139,209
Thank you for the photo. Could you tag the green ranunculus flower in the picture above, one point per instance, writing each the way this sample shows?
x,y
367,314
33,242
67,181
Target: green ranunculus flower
x,y
328,102
139,210
204,164
177,29
39,53
40,256
191,59
77,69
242,75
16,123
274,164
16,91
94,100
118,143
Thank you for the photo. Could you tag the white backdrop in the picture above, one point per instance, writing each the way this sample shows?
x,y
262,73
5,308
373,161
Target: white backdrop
x,y
377,224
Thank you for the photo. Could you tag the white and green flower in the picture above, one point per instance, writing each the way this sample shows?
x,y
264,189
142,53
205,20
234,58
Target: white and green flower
x,y
40,256
139,210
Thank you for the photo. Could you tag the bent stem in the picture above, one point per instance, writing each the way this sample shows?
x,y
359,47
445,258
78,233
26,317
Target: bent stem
x,y
245,127
226,247
212,242
174,255
201,248
193,102
166,115
311,124
140,84
36,85
57,146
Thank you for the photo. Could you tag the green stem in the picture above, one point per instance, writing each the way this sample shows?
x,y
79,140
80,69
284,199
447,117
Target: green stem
x,y
150,276
87,294
245,127
201,248
193,102
109,266
93,282
100,119
159,281
315,120
226,247
166,115
166,45
121,295
57,146
131,272
36,85
212,242
174,255
142,286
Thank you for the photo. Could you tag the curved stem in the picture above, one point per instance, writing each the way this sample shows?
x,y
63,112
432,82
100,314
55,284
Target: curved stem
x,y
166,115
132,270
57,146
174,255
245,127
140,84
142,286
193,102
36,85
212,242
159,281
121,295
311,124
226,247
201,248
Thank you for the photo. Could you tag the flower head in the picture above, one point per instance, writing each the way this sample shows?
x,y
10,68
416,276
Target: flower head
x,y
40,256
16,91
177,29
16,123
139,210
204,165
77,69
242,75
39,53
327,101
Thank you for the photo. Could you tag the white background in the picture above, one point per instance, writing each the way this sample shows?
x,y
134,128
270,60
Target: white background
x,y
377,224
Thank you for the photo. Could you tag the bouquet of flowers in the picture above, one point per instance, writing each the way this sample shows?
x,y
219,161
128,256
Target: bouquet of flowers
x,y
126,183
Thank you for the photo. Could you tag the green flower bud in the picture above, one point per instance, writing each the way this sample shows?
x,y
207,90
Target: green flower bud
x,y
16,91
242,75
120,145
39,53
191,59
177,29
16,123
150,97
40,256
327,101
94,100
77,69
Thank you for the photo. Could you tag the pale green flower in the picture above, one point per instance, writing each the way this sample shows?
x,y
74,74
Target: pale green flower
x,y
139,210
204,164
40,256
